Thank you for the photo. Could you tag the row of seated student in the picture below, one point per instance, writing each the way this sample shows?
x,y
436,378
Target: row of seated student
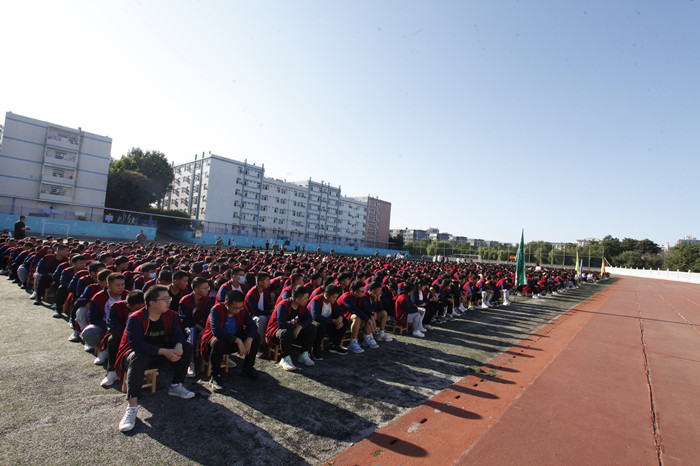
x,y
140,306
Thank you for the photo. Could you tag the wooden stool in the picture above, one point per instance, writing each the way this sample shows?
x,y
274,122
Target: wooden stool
x,y
346,338
277,351
225,362
401,329
149,380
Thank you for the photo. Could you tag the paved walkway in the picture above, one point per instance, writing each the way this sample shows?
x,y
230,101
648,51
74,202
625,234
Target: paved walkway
x,y
614,381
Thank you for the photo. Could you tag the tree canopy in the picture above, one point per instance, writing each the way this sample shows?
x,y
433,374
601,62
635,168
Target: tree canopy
x,y
127,191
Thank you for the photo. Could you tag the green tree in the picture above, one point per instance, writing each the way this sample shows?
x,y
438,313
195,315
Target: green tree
x,y
631,259
611,246
397,240
128,190
151,164
683,257
647,246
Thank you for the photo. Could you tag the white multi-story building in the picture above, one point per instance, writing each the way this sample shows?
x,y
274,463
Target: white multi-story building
x,y
47,167
242,201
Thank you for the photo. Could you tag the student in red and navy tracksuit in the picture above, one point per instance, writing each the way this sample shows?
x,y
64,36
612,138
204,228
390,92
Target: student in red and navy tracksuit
x,y
407,312
329,320
194,312
258,301
153,336
350,303
118,314
99,309
230,328
237,282
291,323
45,269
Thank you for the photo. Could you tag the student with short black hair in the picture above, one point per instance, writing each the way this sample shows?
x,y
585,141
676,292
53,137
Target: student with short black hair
x,y
153,336
291,323
116,323
230,328
329,320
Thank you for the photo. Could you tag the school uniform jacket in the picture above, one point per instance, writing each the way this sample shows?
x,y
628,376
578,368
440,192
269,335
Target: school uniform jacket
x,y
137,326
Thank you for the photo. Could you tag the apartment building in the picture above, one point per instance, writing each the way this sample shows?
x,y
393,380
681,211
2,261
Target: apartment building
x,y
46,166
243,201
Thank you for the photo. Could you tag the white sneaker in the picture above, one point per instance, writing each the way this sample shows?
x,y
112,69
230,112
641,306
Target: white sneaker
x,y
427,327
454,314
88,348
33,295
179,390
129,420
190,370
519,294
384,337
75,336
484,306
506,303
287,364
418,334
471,308
305,359
109,379
101,358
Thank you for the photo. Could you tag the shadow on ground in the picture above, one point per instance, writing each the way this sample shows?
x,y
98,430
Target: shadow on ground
x,y
54,410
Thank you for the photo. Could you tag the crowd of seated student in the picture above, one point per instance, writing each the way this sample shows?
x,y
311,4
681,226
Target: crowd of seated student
x,y
142,305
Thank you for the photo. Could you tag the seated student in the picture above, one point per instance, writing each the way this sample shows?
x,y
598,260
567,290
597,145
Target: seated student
x,y
314,282
407,312
165,278
372,303
78,265
291,323
96,281
328,320
486,293
295,280
237,282
44,270
194,312
505,286
473,293
230,328
146,272
360,319
258,302
152,337
434,307
178,288
99,308
116,323
419,298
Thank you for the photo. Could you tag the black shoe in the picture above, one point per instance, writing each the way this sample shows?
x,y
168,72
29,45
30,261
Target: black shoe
x,y
251,373
38,302
215,383
338,349
318,355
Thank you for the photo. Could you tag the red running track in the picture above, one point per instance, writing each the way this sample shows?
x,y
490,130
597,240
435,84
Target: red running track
x,y
616,380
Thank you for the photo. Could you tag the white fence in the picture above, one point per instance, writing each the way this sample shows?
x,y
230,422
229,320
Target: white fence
x,y
677,276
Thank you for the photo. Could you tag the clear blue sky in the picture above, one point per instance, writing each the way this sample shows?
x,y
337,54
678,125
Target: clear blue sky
x,y
567,119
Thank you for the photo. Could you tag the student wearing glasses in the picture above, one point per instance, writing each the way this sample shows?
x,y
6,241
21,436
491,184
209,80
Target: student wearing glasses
x,y
153,337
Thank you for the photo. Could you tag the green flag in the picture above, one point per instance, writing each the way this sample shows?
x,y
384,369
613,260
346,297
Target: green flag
x,y
520,262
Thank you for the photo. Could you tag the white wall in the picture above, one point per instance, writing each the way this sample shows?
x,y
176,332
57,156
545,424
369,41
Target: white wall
x,y
676,276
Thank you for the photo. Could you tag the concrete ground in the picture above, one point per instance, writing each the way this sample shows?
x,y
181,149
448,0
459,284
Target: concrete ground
x,y
52,409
